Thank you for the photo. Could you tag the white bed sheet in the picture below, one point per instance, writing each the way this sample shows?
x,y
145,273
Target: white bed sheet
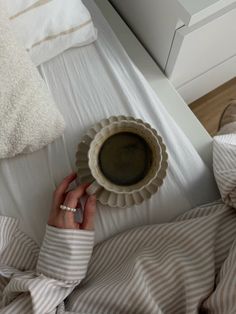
x,y
89,84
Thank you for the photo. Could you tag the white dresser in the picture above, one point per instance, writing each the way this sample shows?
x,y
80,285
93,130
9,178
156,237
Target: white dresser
x,y
193,41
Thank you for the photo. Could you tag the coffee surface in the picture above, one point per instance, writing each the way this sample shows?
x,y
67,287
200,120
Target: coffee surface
x,y
125,158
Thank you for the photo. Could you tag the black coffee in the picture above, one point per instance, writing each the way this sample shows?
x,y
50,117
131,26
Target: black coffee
x,y
125,158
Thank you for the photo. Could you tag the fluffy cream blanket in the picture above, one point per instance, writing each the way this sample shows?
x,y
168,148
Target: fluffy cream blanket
x,y
29,118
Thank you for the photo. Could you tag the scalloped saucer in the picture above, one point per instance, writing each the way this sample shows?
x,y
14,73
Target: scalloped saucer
x,y
109,198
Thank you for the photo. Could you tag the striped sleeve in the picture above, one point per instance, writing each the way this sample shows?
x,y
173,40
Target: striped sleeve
x,y
224,164
65,253
62,264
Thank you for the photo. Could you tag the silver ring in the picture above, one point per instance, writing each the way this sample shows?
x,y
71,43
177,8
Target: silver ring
x,y
69,209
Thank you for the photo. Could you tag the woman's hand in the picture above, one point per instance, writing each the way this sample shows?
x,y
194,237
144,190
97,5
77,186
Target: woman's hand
x,y
66,219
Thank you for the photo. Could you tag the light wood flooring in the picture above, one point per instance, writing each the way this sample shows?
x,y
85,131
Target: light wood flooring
x,y
209,108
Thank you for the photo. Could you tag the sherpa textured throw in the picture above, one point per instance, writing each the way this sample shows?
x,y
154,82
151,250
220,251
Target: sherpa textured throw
x,y
29,118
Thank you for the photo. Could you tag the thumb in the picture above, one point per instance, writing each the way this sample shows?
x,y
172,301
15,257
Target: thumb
x,y
89,213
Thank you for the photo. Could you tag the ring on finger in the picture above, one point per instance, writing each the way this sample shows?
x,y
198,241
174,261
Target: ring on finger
x,y
67,208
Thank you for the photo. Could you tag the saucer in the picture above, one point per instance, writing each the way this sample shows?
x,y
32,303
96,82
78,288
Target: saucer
x,y
109,198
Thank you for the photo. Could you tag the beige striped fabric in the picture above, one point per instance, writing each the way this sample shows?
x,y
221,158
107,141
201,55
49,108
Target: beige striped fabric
x,y
58,268
224,167
186,266
64,244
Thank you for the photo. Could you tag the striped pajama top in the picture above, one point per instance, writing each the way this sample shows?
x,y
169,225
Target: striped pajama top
x,y
185,266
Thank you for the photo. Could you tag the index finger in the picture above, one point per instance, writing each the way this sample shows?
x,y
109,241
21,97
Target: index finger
x,y
63,186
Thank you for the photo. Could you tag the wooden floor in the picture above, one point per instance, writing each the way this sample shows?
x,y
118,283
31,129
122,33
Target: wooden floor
x,y
209,108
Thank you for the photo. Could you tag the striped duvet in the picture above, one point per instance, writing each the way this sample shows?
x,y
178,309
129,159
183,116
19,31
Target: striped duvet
x,y
186,266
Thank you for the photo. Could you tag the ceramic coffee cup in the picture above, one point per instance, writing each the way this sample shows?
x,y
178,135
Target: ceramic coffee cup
x,y
123,157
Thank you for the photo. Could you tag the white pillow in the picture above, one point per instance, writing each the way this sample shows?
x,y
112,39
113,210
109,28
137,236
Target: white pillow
x,y
17,6
49,27
29,118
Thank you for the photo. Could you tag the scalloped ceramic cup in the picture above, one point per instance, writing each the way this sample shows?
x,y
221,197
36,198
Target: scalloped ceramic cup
x,y
115,128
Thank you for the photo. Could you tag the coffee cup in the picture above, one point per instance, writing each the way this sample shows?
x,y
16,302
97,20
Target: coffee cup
x,y
123,157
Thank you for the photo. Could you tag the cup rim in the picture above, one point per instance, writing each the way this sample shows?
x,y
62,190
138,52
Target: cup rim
x,y
115,128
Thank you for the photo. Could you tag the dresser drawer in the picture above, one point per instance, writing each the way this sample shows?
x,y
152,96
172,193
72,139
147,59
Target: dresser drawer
x,y
154,22
199,48
193,41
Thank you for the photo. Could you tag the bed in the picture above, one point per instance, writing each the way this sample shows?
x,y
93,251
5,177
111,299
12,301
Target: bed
x,y
170,98
89,84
